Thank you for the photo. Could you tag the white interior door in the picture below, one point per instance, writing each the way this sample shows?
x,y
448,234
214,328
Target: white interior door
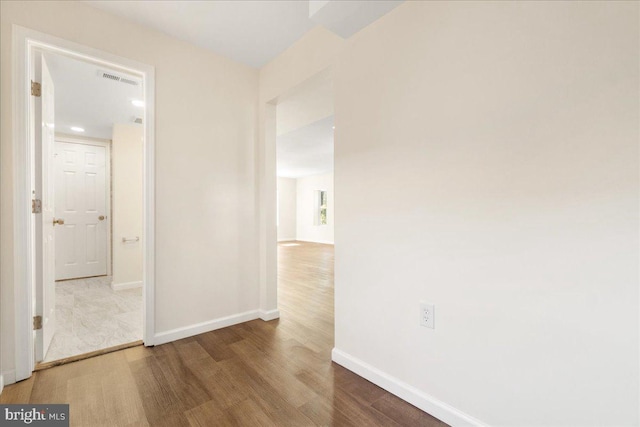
x,y
81,200
43,126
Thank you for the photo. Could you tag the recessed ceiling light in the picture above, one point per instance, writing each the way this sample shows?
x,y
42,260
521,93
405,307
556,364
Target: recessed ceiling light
x,y
138,103
333,127
77,129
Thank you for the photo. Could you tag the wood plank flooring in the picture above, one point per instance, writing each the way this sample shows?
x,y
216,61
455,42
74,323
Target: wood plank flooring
x,y
276,373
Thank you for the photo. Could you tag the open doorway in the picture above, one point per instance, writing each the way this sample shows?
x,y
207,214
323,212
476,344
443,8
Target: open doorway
x,y
96,192
305,203
36,137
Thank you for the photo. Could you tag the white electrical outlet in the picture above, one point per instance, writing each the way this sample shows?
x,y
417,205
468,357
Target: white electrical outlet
x,y
427,315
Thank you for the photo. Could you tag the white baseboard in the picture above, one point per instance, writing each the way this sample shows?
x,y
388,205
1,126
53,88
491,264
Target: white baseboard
x,y
292,239
269,315
201,328
7,377
324,242
1,383
417,398
126,285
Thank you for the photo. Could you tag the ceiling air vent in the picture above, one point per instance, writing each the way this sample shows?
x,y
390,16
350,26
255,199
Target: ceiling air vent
x,y
110,75
137,120
128,81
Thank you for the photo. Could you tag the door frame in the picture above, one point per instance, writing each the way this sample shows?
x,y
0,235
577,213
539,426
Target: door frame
x,y
25,41
98,142
268,191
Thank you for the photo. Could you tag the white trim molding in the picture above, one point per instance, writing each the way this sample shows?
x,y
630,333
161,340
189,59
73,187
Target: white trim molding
x,y
8,377
1,383
266,199
25,42
269,315
404,391
126,285
201,328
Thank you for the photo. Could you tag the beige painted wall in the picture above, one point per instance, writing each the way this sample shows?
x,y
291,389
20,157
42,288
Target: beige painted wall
x,y
286,209
310,103
205,140
295,68
486,161
126,206
314,52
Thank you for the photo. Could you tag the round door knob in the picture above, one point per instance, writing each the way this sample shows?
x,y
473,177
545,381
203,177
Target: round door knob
x,y
101,217
58,221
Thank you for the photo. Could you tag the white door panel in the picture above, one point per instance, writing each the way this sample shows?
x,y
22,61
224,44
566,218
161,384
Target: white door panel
x,y
81,200
43,113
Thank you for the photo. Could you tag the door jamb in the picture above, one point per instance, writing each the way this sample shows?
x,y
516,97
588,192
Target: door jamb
x,y
24,42
267,197
73,139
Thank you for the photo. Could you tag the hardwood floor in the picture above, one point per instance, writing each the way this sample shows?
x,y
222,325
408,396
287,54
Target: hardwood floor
x,y
276,373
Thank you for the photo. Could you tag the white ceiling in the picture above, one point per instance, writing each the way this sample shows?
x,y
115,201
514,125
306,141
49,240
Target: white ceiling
x,y
306,151
347,17
87,100
251,32
304,128
254,32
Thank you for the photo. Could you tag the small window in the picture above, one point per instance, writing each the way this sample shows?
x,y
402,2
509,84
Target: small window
x,y
321,207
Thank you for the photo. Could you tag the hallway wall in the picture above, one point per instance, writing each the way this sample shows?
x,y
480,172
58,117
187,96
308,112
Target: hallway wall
x,y
127,196
205,141
486,161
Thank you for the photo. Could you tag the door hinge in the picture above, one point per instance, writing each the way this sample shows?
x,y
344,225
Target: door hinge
x,y
37,323
36,206
36,88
